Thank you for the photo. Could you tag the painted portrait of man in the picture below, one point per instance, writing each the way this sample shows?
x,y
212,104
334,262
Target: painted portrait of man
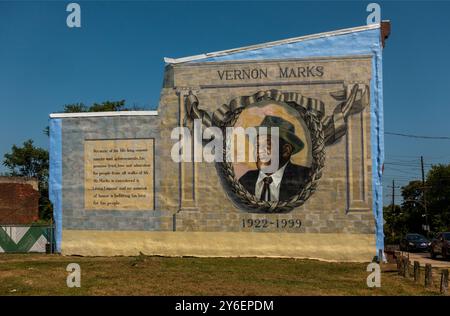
x,y
284,179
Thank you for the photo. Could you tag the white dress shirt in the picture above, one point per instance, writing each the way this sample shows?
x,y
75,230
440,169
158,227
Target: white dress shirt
x,y
274,186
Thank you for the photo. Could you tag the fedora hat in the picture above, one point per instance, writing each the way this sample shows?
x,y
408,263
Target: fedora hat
x,y
286,131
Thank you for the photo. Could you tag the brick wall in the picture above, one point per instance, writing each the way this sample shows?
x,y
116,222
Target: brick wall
x,y
19,200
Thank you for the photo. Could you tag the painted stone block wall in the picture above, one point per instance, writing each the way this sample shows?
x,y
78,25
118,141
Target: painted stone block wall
x,y
342,201
75,133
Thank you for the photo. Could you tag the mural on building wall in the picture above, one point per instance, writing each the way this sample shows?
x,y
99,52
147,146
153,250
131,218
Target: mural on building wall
x,y
117,188
304,129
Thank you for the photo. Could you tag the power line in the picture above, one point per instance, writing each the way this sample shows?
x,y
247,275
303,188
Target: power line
x,y
402,164
397,157
406,172
417,136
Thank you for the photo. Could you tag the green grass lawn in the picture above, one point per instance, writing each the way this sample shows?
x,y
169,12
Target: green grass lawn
x,y
34,274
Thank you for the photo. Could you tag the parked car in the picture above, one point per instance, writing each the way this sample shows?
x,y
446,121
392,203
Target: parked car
x,y
441,245
414,242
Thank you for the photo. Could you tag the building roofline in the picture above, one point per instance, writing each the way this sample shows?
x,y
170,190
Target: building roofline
x,y
274,43
20,180
102,114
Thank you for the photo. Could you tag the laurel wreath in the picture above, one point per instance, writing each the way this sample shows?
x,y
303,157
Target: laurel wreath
x,y
313,119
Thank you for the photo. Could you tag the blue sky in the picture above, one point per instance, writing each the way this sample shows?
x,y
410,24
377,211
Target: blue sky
x,y
118,54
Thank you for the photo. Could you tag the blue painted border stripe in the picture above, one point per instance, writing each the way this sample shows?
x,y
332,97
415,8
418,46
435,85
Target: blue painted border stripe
x,y
377,140
55,177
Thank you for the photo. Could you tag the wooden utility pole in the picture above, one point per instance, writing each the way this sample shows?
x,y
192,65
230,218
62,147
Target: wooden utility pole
x,y
393,200
424,196
393,196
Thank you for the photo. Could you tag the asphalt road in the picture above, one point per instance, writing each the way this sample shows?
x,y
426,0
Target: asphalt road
x,y
424,258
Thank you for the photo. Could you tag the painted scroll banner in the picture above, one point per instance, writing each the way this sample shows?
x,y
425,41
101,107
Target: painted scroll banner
x,y
119,174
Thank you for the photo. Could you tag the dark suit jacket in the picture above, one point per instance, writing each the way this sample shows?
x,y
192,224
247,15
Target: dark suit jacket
x,y
294,178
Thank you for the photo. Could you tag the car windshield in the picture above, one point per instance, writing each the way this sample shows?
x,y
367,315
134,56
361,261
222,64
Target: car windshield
x,y
446,236
416,237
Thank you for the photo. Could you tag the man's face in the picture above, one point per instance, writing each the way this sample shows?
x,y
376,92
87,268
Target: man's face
x,y
270,158
264,151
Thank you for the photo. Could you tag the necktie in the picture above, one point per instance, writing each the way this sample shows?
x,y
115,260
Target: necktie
x,y
266,189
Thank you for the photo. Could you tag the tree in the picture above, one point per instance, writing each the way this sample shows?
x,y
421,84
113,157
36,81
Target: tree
x,y
107,106
438,197
394,227
75,108
27,161
413,207
422,204
31,162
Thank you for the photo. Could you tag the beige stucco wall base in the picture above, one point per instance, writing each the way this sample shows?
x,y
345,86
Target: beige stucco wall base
x,y
329,247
